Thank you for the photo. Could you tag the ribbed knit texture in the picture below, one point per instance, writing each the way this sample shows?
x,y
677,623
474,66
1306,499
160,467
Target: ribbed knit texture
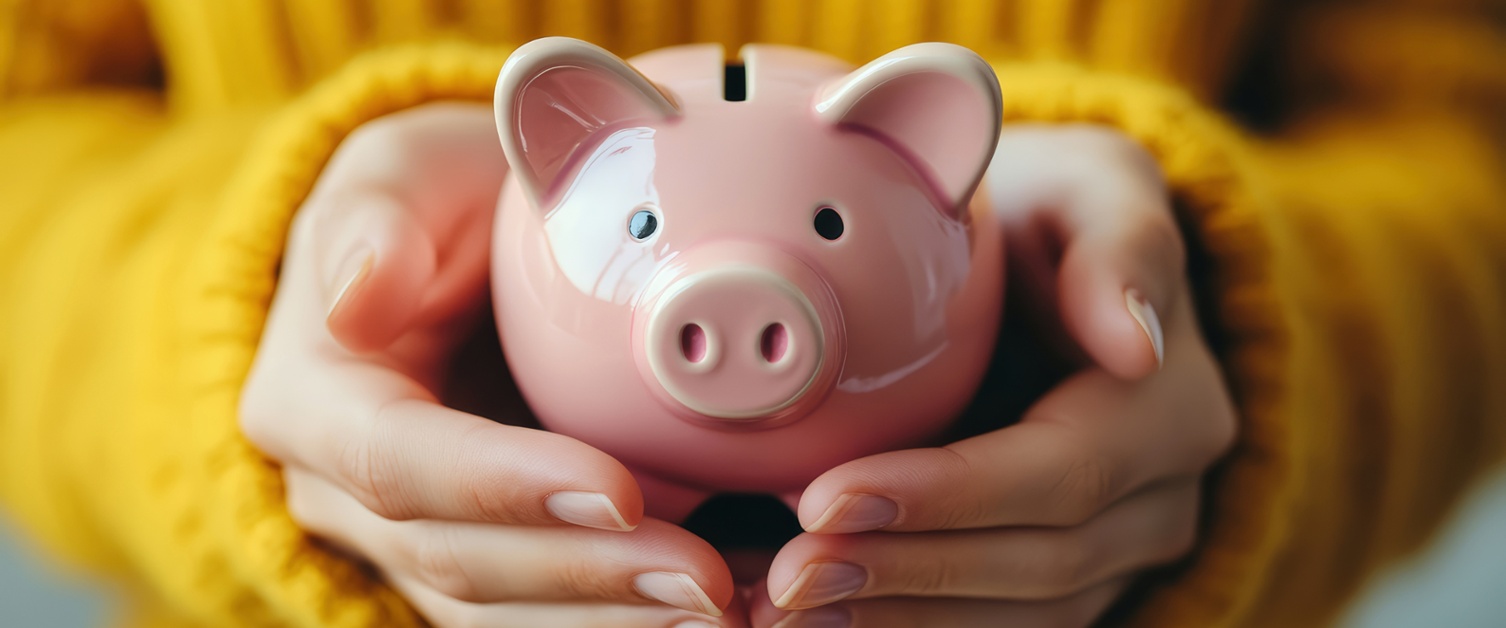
x,y
1355,269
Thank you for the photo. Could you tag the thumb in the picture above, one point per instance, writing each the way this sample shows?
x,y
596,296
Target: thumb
x,y
375,263
1119,284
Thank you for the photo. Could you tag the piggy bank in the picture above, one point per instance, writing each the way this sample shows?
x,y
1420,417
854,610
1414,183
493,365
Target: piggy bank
x,y
734,276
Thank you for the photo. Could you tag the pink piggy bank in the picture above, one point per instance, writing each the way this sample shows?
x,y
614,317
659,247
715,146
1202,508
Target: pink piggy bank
x,y
733,278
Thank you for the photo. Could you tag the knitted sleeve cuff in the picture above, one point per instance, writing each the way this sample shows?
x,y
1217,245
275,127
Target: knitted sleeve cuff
x,y
292,581
1218,205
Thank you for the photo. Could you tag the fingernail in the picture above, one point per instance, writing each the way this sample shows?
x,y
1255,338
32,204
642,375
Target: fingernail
x,y
1144,314
856,513
829,617
592,510
675,589
823,583
353,271
696,623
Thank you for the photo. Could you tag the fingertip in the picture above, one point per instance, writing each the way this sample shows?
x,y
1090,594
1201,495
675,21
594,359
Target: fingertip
x,y
814,570
350,277
786,567
855,512
1145,316
676,589
1111,317
815,503
885,491
700,562
592,488
1128,341
495,473
382,263
825,503
382,296
588,509
625,493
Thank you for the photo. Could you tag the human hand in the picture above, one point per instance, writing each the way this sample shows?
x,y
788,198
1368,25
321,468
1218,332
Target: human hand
x,y
474,521
1042,523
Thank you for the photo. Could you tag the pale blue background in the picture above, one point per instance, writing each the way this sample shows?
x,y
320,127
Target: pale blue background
x,y
1460,582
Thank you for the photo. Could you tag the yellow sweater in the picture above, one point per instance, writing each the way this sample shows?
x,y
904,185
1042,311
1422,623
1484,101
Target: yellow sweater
x,y
1352,255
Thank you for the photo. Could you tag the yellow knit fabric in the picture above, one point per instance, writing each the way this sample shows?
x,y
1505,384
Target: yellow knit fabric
x,y
152,153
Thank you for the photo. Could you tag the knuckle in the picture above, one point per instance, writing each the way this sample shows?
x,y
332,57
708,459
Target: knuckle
x,y
381,133
1084,137
395,136
1180,538
965,513
1223,431
463,615
304,227
305,511
254,414
436,563
260,416
487,503
490,494
364,470
1179,545
1088,484
1069,567
933,578
586,581
1127,150
967,508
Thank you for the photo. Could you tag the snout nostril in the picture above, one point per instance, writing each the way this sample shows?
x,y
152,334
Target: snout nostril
x,y
774,342
693,342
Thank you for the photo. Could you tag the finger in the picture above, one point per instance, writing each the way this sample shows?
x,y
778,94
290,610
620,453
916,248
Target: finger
x,y
1088,208
1149,528
447,612
415,459
1090,441
1121,280
377,262
472,562
381,436
1080,610
399,223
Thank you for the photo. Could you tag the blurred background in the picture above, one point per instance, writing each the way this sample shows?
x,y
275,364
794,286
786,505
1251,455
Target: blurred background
x,y
1458,581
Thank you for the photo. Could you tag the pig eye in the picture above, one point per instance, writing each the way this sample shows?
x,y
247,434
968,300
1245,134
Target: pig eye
x,y
828,223
643,224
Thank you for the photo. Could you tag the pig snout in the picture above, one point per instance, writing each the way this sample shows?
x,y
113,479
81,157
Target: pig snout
x,y
743,339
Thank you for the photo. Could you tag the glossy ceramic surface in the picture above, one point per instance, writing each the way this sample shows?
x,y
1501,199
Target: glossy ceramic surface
x,y
734,346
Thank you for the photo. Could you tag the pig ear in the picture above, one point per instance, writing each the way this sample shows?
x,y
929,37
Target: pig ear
x,y
937,104
553,95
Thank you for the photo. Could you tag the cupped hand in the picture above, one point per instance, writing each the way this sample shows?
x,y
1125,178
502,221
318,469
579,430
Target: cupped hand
x,y
1044,522
476,522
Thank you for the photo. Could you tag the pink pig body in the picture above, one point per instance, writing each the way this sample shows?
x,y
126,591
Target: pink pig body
x,y
735,347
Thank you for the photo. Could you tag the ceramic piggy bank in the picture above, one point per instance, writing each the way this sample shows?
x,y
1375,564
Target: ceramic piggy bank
x,y
734,277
